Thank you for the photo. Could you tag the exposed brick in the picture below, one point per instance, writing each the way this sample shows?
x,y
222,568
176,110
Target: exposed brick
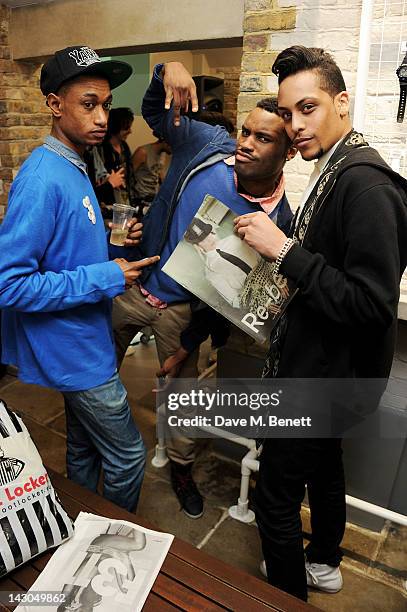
x,y
28,105
6,65
31,89
246,102
4,12
12,79
258,62
20,133
7,120
231,77
22,118
257,5
23,94
36,120
251,83
5,53
230,107
4,148
41,108
6,173
16,148
7,160
6,189
290,3
231,86
7,93
283,19
256,42
16,106
33,93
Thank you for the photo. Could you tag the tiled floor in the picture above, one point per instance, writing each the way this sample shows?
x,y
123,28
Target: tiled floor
x,y
375,564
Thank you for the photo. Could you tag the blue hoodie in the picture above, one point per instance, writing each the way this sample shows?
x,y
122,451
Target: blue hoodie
x,y
196,170
56,282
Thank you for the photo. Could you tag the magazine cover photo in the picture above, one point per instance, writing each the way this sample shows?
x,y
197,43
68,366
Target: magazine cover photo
x,y
214,264
107,565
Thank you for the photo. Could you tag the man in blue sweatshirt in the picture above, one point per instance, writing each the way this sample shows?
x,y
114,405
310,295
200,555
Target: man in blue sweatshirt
x,y
56,280
247,176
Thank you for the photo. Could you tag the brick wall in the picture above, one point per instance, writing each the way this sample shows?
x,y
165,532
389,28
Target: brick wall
x,y
261,20
231,83
24,118
273,25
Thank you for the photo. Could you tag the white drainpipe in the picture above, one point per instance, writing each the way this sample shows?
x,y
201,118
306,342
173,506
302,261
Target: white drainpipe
x,y
363,65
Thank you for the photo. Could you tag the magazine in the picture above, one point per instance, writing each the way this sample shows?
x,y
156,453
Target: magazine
x,y
107,565
214,264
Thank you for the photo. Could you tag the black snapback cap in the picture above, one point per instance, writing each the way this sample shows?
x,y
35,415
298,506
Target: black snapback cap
x,y
75,61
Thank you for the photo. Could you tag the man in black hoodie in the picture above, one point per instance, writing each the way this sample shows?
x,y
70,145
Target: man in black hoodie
x,y
346,252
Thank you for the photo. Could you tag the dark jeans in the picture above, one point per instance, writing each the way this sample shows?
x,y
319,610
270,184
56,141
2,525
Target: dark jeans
x,y
102,434
286,466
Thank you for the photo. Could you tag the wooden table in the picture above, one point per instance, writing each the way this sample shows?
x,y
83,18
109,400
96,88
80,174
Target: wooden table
x,y
189,579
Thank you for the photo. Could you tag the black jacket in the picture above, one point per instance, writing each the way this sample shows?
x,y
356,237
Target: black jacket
x,y
342,322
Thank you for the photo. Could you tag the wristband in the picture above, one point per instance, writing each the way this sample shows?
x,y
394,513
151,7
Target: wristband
x,y
402,103
284,250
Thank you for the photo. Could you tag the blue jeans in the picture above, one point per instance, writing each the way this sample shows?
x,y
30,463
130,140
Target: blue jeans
x,y
101,433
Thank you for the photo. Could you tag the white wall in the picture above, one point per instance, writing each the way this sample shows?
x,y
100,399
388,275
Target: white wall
x,y
389,30
122,24
334,25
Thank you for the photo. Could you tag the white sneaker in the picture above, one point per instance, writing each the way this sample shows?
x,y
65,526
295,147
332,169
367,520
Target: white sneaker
x,y
263,569
323,577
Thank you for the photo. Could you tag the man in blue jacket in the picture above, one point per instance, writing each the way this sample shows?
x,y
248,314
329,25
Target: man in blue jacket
x,y
56,280
203,163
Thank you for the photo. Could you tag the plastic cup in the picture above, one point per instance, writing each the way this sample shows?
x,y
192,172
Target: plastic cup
x,y
121,216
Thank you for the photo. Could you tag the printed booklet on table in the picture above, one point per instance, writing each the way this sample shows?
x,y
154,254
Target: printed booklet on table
x,y
214,264
107,565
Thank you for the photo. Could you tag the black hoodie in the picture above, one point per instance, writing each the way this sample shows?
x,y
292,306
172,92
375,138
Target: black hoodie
x,y
342,322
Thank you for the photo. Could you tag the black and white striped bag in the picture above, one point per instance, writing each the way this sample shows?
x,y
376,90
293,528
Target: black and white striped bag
x,y
31,516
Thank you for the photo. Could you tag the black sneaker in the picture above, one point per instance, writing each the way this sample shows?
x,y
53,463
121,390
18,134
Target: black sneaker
x,y
186,490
